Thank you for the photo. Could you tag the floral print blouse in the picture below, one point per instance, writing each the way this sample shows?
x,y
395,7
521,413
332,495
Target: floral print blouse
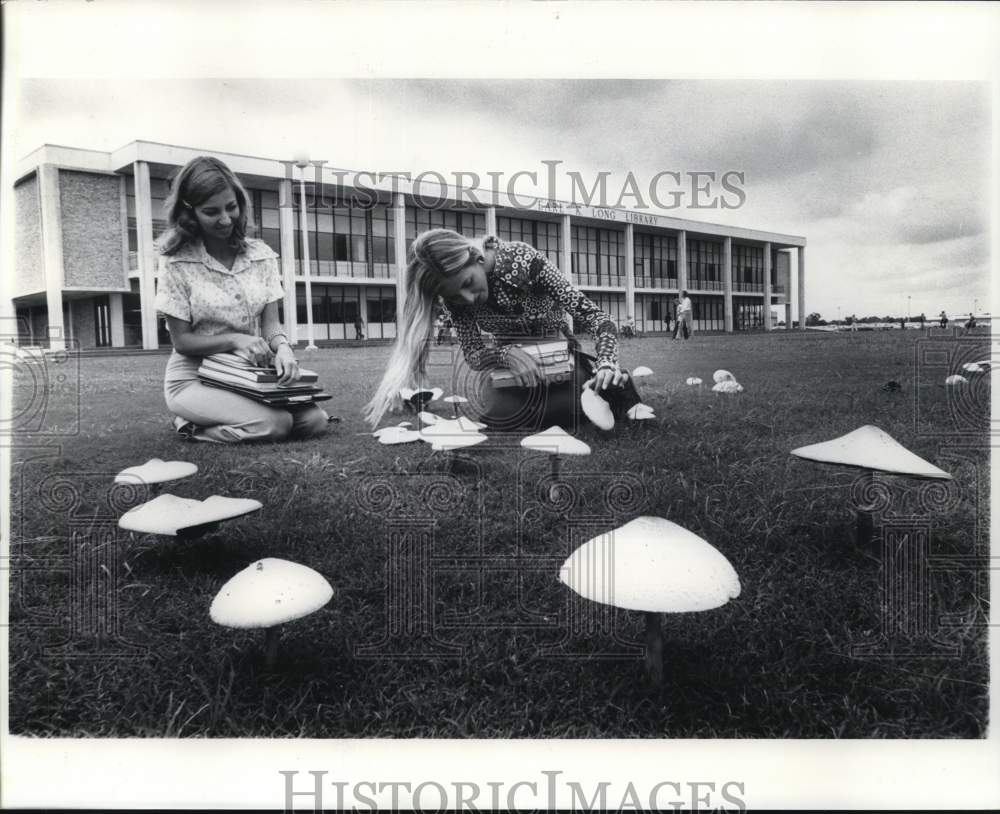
x,y
195,287
528,296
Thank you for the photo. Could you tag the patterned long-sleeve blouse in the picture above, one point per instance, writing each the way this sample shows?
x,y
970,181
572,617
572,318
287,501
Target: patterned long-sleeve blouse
x,y
528,296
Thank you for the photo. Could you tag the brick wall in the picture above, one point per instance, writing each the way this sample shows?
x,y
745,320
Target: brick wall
x,y
84,326
29,274
92,230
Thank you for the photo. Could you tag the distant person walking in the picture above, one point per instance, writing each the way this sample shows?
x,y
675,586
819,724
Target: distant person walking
x,y
922,319
684,316
944,320
971,323
359,328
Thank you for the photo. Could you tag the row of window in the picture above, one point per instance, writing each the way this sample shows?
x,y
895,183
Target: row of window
x,y
355,242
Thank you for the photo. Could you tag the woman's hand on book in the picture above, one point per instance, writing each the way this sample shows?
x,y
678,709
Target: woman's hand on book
x,y
252,348
285,365
524,366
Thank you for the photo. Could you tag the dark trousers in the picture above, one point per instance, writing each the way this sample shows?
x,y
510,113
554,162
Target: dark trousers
x,y
533,409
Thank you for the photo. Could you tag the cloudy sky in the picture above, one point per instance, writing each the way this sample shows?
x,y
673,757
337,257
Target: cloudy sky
x,y
888,181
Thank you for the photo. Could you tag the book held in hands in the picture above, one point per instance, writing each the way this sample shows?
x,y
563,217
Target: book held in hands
x,y
230,371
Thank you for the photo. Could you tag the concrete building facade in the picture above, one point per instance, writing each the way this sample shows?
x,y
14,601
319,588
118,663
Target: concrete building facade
x,y
86,261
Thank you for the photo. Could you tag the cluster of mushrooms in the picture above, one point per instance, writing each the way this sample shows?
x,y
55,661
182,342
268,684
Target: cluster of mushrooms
x,y
266,594
725,382
649,564
969,370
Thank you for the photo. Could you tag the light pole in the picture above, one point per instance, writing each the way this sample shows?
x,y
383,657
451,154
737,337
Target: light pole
x,y
302,162
908,309
975,306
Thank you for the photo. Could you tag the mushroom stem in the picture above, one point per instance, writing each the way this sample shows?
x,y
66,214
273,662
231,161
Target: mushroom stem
x,y
865,529
865,522
271,646
454,405
654,649
554,487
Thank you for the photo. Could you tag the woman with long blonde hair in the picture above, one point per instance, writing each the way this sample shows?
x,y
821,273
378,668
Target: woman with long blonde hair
x,y
513,292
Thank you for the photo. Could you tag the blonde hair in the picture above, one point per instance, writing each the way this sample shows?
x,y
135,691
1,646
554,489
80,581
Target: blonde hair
x,y
434,256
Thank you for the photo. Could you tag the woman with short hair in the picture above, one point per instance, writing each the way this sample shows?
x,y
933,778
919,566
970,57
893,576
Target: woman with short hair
x,y
219,292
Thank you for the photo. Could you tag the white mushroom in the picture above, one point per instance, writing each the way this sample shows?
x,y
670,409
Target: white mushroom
x,y
268,593
973,367
450,443
448,428
156,471
652,565
557,442
398,435
953,380
640,412
727,386
692,381
454,401
597,409
723,376
641,372
874,450
183,517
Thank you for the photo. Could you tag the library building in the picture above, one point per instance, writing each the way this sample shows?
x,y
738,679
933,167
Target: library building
x,y
86,260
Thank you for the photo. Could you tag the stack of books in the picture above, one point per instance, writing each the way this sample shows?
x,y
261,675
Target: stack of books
x,y
229,371
554,361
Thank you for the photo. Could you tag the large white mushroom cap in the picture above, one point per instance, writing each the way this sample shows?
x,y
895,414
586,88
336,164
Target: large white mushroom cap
x,y
270,592
641,372
869,447
973,367
156,470
169,515
397,435
456,399
651,564
446,443
450,429
723,376
952,380
557,441
597,409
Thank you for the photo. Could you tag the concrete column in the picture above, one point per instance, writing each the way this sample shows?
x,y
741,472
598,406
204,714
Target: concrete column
x,y
682,261
629,270
146,252
802,288
306,265
788,314
566,257
727,282
116,315
286,237
767,286
52,255
491,220
399,240
566,247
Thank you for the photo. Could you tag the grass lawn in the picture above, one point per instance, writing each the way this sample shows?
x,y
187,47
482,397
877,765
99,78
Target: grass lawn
x,y
484,641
